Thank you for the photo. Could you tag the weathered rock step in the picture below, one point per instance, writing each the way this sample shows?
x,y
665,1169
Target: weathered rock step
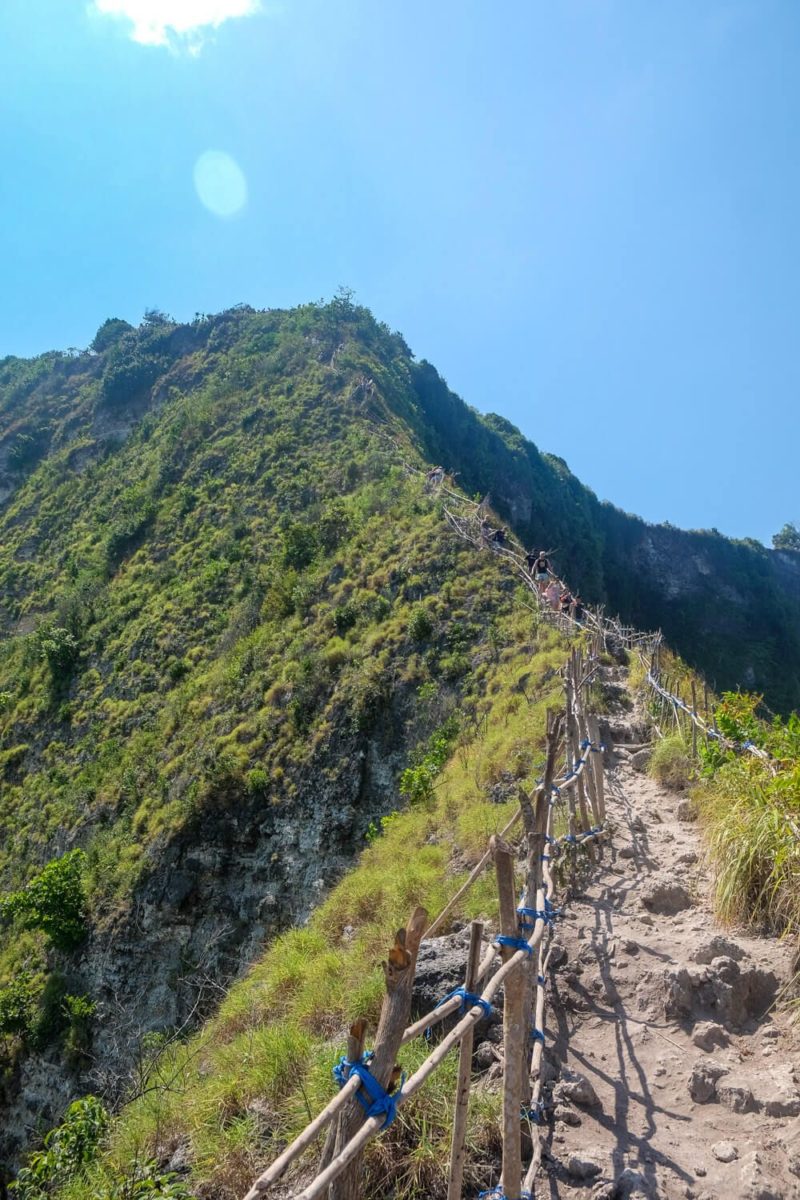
x,y
773,1091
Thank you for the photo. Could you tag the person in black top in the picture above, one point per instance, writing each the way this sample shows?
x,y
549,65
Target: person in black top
x,y
539,567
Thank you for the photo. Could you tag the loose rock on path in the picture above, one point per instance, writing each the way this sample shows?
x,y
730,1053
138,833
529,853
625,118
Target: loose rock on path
x,y
668,1018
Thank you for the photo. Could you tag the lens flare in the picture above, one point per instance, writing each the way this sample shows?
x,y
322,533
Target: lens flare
x,y
220,183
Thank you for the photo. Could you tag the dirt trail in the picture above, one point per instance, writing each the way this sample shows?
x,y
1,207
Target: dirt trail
x,y
663,1013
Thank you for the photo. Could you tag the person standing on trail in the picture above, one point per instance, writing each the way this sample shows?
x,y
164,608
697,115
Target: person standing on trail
x,y
565,601
551,594
577,610
499,536
540,569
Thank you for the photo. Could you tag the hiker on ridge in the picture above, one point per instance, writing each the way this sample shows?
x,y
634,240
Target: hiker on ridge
x,y
499,536
540,568
551,594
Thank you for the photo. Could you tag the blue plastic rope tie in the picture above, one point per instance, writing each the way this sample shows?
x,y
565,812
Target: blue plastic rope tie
x,y
344,1067
513,943
540,979
377,1102
468,1000
545,857
534,1112
527,912
497,1193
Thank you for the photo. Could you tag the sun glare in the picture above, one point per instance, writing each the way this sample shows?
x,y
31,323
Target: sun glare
x,y
220,183
175,22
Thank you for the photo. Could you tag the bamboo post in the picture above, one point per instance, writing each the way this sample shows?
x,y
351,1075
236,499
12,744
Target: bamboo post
x,y
354,1052
514,1034
536,820
399,975
596,761
694,720
458,1147
588,774
571,822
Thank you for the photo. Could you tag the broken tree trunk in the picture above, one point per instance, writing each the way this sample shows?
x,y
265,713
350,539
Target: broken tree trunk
x,y
399,974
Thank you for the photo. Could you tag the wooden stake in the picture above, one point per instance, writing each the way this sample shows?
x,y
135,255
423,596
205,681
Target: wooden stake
x,y
597,766
458,1148
399,975
694,720
514,1033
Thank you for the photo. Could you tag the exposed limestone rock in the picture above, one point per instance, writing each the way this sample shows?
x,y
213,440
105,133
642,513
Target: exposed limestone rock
x,y
734,1093
666,897
721,990
575,1088
718,945
707,1035
724,1151
703,1081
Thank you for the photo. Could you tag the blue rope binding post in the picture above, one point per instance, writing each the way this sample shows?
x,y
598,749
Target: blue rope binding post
x,y
532,913
468,1000
535,1113
377,1102
344,1067
497,1193
512,943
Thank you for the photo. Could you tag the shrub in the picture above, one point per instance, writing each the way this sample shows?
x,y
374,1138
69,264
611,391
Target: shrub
x,y
78,1011
53,901
345,616
145,1181
300,545
420,625
60,649
6,701
334,525
28,448
109,334
671,763
178,669
135,511
17,1006
257,781
67,1149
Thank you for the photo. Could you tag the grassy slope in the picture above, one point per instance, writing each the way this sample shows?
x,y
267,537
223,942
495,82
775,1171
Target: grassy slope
x,y
237,1090
224,659
749,808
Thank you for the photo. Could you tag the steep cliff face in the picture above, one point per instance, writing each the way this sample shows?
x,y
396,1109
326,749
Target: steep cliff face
x,y
209,900
731,608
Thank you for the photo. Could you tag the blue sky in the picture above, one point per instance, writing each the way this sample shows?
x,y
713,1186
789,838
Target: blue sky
x,y
585,213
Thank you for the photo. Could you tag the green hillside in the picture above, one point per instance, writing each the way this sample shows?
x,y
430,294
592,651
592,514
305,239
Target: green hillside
x,y
237,634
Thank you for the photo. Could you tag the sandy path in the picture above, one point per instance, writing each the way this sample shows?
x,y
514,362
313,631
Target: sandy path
x,y
631,994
